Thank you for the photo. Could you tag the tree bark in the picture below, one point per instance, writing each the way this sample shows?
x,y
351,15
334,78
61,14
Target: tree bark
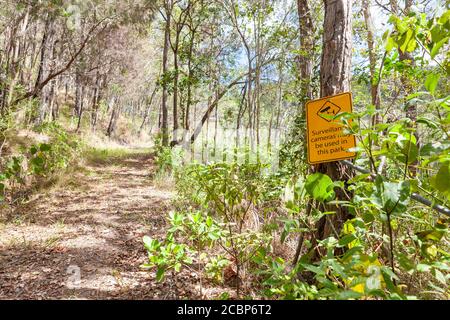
x,y
374,77
113,119
42,63
175,90
334,79
214,104
374,88
306,29
240,114
148,109
164,118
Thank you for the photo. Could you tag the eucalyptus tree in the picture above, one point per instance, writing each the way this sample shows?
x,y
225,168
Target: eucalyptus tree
x,y
48,45
335,74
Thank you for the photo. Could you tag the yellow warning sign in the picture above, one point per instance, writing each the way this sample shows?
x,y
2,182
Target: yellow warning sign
x,y
327,140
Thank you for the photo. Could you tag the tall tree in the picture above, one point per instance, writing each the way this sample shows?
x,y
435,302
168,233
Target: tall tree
x,y
334,79
164,118
407,58
306,29
374,85
179,22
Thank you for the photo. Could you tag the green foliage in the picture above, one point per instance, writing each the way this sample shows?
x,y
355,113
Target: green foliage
x,y
416,30
215,266
388,246
391,197
40,160
59,152
217,198
166,158
293,151
198,229
225,194
165,256
320,187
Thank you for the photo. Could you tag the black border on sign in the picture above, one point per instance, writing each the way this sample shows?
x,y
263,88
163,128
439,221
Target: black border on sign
x,y
307,129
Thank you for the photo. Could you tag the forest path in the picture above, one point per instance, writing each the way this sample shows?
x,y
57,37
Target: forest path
x,y
92,226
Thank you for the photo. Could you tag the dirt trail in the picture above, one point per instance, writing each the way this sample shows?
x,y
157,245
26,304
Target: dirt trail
x,y
91,228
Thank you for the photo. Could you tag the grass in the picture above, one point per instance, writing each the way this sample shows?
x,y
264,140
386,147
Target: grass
x,y
60,224
52,241
19,243
110,155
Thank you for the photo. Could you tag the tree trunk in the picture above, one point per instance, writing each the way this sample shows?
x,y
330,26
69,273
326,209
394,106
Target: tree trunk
x,y
334,79
211,107
276,109
95,102
175,92
81,108
240,115
43,64
408,59
113,119
258,54
148,109
189,86
306,29
164,118
249,96
78,94
374,87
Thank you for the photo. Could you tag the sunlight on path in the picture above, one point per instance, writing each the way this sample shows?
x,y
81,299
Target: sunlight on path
x,y
83,240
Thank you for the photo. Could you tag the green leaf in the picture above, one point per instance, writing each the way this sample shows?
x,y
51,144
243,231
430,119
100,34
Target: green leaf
x,y
388,277
401,25
423,267
209,221
405,262
346,240
440,277
314,269
320,187
390,44
441,181
33,150
406,144
429,123
45,147
445,17
160,273
416,94
437,33
431,82
146,266
391,196
37,161
435,235
150,244
406,39
437,47
397,193
411,45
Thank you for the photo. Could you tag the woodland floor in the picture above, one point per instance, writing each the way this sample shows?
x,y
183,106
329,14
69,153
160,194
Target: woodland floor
x,y
94,221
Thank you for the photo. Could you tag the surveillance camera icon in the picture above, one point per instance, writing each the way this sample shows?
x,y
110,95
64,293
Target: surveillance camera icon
x,y
328,111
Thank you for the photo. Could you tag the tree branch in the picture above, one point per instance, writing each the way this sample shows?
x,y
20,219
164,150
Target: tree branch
x,y
39,86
